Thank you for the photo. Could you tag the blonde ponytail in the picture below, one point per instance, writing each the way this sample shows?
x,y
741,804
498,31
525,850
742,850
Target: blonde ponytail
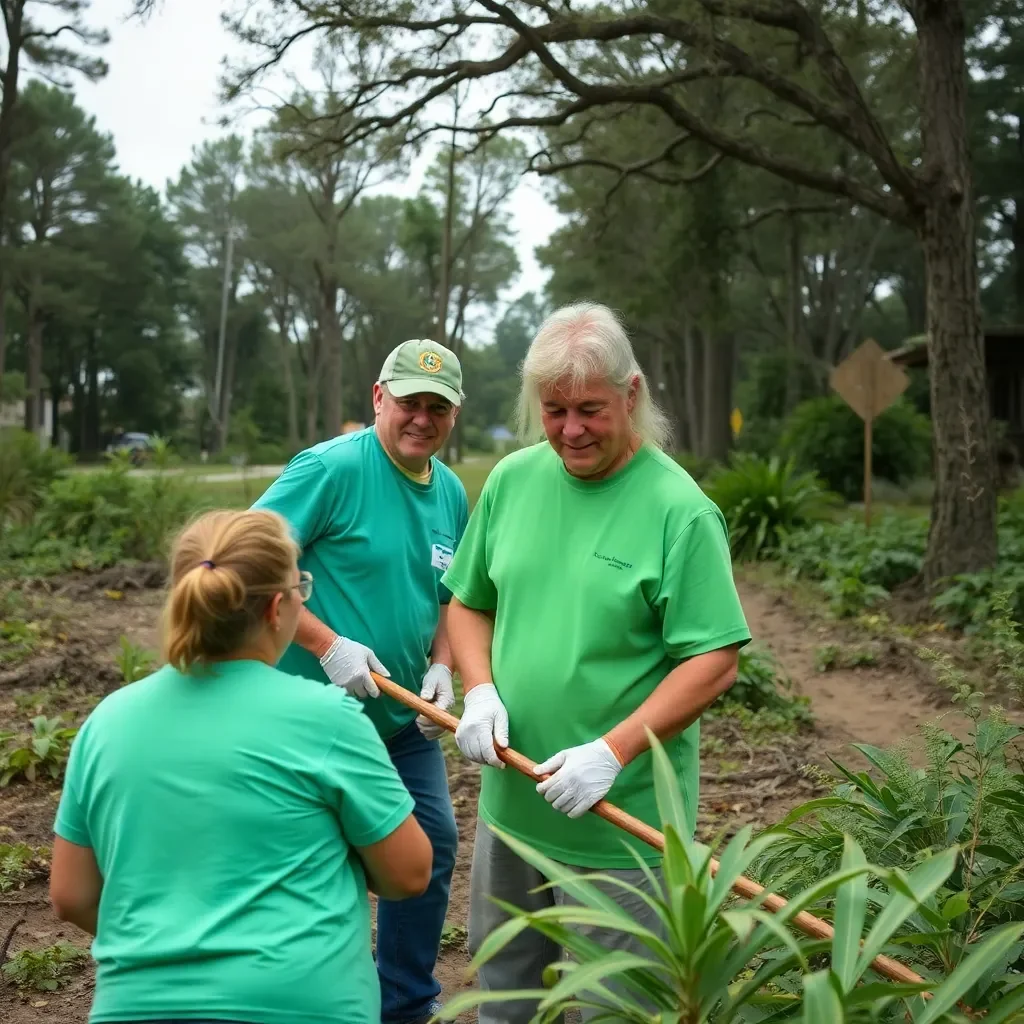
x,y
225,567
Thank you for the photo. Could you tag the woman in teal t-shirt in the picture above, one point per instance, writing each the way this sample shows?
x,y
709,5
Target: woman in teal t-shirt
x,y
222,821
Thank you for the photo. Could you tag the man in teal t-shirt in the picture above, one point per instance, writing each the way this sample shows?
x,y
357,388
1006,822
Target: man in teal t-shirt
x,y
379,519
593,596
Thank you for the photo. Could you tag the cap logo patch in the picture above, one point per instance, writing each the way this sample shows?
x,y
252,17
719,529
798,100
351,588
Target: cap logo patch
x,y
431,362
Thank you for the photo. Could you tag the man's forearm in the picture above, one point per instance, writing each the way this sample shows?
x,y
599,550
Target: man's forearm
x,y
677,702
312,634
470,633
441,648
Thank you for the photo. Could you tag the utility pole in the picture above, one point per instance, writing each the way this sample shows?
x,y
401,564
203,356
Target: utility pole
x,y
444,291
445,288
229,252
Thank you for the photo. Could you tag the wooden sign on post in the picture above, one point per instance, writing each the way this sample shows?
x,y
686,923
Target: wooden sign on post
x,y
868,383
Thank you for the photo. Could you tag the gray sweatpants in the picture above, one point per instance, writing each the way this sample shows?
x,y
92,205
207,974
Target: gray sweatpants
x,y
498,872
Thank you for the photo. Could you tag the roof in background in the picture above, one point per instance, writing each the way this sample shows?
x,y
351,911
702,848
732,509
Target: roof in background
x,y
914,351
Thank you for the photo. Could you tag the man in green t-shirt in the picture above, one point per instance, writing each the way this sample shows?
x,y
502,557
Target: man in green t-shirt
x,y
593,596
378,519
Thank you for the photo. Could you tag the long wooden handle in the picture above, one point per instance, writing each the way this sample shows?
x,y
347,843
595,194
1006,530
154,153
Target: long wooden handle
x,y
745,887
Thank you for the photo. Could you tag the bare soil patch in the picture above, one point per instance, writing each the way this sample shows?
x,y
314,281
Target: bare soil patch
x,y
742,782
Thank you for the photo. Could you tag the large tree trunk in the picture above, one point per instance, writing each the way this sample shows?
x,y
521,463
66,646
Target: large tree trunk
x,y
718,373
9,80
794,312
91,433
227,389
34,362
962,536
331,339
1018,263
56,394
693,350
288,378
313,394
3,320
675,388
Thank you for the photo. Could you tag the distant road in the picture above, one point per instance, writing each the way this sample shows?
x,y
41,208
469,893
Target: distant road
x,y
221,474
211,474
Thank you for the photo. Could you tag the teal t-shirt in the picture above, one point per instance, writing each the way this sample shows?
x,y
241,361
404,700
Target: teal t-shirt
x,y
599,590
223,812
377,544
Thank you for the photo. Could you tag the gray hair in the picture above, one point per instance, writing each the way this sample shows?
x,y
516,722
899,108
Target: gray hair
x,y
577,343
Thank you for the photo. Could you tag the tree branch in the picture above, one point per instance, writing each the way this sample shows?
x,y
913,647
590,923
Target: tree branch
x,y
787,208
850,118
640,167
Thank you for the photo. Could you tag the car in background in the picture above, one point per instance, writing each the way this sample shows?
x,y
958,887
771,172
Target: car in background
x,y
138,446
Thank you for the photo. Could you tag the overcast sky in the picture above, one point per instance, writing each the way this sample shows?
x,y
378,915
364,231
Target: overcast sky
x,y
160,99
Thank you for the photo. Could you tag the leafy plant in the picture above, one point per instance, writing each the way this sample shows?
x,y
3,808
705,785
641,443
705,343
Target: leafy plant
x,y
969,796
834,656
134,661
970,599
453,936
714,957
763,501
18,639
44,970
46,750
848,596
26,470
762,685
826,436
93,520
888,554
20,863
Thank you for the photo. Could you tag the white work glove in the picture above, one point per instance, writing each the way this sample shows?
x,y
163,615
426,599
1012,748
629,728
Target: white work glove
x,y
439,689
582,776
348,664
484,722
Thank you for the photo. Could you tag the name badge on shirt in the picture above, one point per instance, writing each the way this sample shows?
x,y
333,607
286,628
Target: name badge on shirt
x,y
440,556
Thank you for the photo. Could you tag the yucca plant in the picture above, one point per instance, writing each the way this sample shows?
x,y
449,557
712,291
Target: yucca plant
x,y
764,500
720,959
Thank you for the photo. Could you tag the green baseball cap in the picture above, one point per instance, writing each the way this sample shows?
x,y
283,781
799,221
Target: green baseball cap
x,y
421,365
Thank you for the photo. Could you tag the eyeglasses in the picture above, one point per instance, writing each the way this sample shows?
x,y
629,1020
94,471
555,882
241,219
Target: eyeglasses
x,y
304,586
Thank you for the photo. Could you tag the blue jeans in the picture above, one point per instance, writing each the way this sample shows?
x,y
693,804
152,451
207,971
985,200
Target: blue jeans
x,y
409,931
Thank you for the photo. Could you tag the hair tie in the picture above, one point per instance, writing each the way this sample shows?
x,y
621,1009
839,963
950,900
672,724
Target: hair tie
x,y
208,564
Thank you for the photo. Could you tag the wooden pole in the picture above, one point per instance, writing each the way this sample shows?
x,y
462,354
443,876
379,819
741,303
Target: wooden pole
x,y
745,887
867,472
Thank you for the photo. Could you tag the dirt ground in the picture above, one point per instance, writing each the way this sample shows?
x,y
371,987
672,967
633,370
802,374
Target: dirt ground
x,y
878,703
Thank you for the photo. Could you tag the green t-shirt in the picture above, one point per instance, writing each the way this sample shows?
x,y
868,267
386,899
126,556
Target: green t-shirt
x,y
377,544
223,812
599,590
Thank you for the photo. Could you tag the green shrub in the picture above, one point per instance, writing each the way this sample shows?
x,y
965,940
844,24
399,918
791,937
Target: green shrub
x,y
761,685
21,863
133,662
969,796
825,435
45,749
724,959
44,970
857,568
763,501
96,519
26,471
